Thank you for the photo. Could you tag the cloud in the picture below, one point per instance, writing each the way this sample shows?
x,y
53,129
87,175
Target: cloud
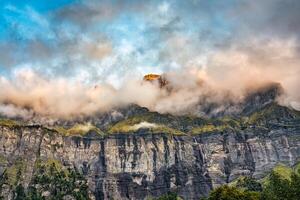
x,y
13,111
272,17
207,50
143,125
63,98
220,86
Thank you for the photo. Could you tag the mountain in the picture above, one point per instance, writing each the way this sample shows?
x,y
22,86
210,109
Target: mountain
x,y
162,81
134,153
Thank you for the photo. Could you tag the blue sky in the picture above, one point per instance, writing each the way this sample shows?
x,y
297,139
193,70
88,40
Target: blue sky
x,y
101,41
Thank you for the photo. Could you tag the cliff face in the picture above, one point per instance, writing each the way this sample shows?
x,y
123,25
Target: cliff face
x,y
132,153
140,165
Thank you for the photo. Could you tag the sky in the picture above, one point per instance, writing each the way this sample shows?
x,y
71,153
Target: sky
x,y
106,42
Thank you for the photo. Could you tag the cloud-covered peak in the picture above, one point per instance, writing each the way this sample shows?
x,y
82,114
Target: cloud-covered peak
x,y
80,44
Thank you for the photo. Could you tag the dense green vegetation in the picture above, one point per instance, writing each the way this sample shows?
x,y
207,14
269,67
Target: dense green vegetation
x,y
226,192
282,170
14,172
282,183
50,180
168,196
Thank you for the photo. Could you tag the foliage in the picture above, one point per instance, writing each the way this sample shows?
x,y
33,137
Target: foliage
x,y
169,196
3,160
51,180
282,184
226,192
249,184
58,182
19,193
9,123
295,184
280,188
281,170
297,168
34,194
15,171
3,180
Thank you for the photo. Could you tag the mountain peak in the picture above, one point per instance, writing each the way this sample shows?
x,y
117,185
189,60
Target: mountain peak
x,y
259,97
156,77
152,77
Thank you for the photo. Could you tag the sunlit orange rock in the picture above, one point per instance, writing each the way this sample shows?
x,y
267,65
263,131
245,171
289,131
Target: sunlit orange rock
x,y
156,77
151,77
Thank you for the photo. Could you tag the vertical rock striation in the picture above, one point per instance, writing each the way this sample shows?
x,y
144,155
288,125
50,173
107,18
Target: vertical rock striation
x,y
137,166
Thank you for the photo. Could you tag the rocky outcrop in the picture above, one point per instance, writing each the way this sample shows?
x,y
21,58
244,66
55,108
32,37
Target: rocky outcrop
x,y
140,165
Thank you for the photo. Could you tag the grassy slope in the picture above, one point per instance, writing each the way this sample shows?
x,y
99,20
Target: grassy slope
x,y
271,113
122,127
165,123
180,125
78,130
9,123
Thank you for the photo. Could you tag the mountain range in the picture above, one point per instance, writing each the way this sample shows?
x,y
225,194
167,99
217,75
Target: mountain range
x,y
131,152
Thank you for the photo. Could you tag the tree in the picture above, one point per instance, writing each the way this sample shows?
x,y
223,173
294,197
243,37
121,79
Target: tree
x,y
3,181
226,192
278,188
250,184
295,186
33,194
169,196
19,193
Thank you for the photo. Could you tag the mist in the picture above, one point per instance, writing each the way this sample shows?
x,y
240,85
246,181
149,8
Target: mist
x,y
227,77
210,52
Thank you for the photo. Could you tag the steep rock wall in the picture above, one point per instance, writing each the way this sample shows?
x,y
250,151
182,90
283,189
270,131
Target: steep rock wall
x,y
137,166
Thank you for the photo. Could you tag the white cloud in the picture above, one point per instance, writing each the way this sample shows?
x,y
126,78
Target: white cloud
x,y
143,125
164,7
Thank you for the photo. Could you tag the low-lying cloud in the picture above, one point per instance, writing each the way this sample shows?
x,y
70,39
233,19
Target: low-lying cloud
x,y
143,125
227,78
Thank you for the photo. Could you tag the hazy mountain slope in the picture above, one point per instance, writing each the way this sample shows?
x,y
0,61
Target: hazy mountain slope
x,y
132,153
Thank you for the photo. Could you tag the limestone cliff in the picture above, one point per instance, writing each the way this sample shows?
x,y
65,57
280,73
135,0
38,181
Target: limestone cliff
x,y
133,153
143,164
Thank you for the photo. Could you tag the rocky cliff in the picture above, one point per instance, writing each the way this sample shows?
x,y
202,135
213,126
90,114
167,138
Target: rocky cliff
x,y
144,163
133,153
